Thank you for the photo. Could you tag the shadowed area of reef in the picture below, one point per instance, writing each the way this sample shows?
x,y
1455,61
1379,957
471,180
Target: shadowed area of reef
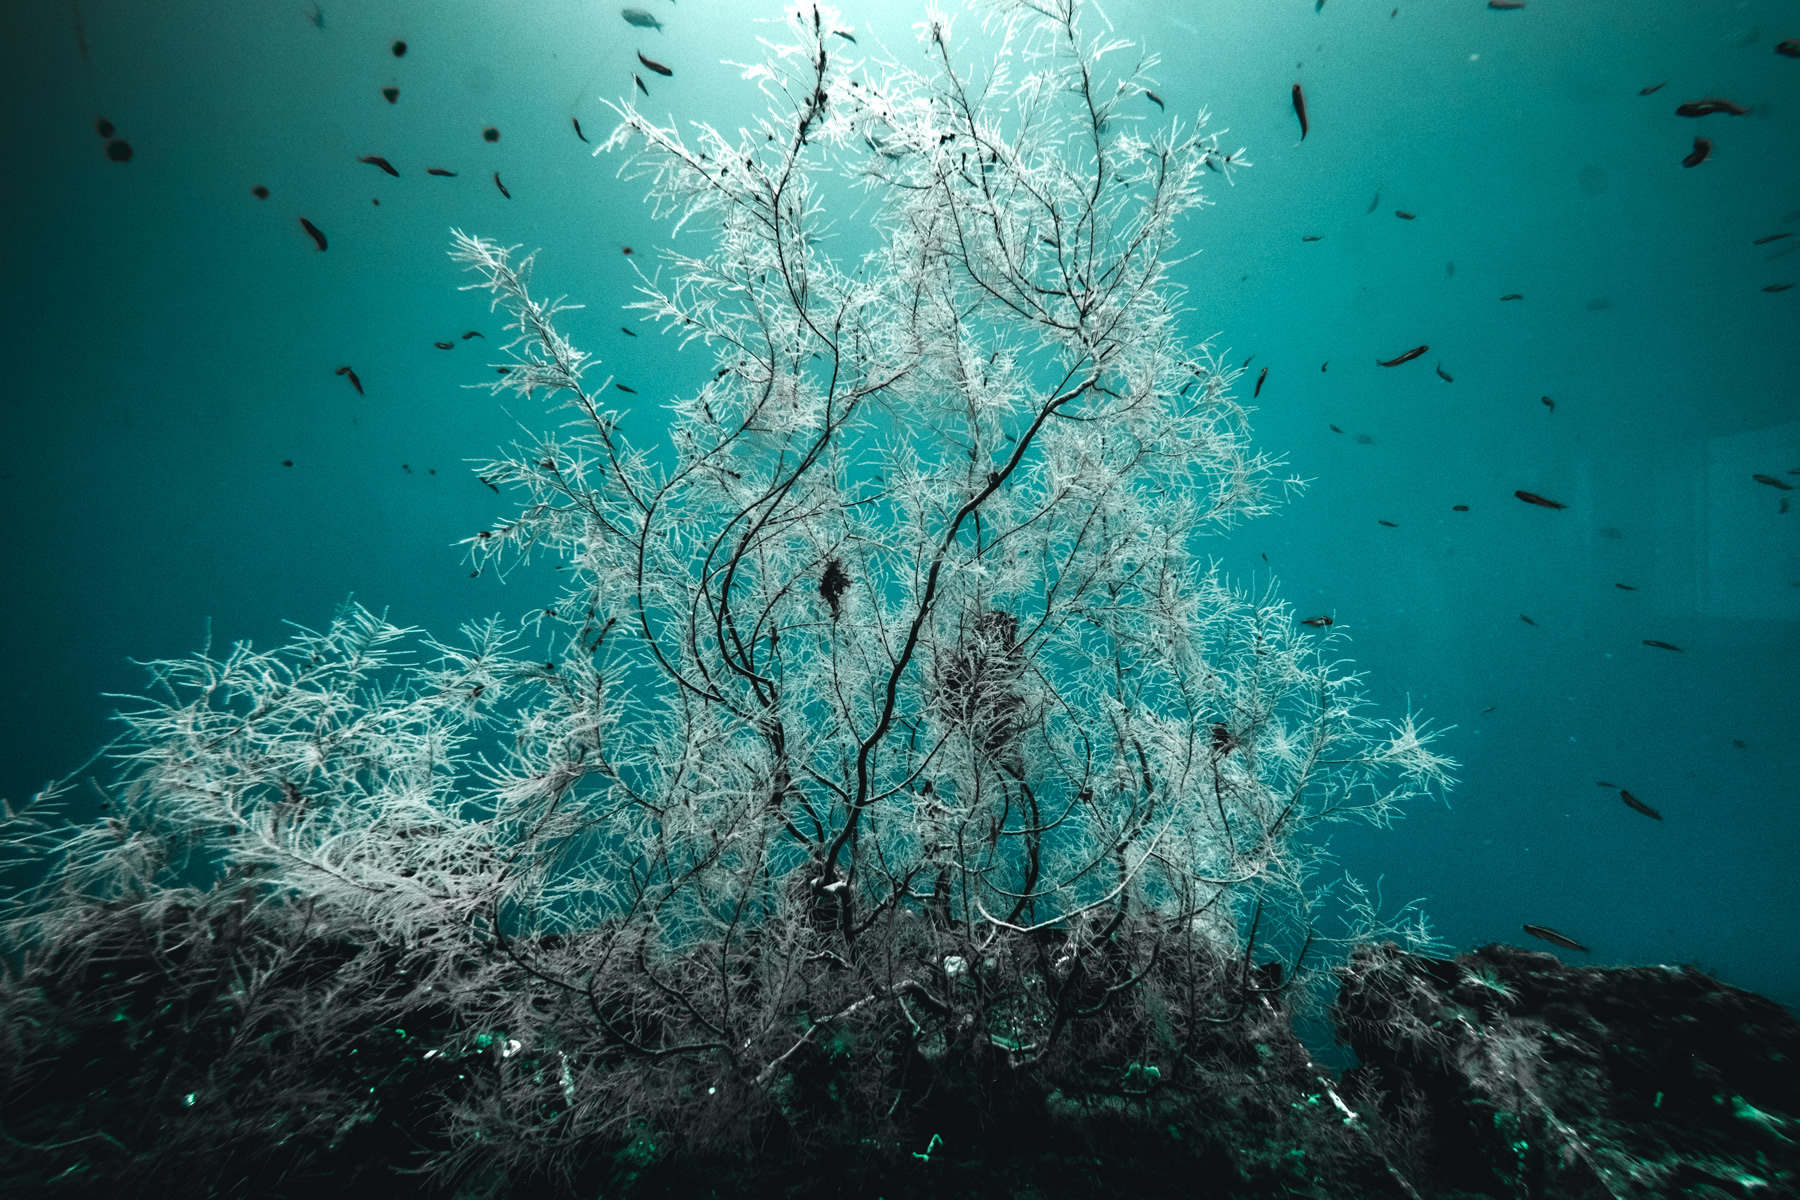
x,y
212,1052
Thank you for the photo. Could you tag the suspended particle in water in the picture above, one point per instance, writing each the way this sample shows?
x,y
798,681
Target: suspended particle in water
x,y
103,127
119,150
260,192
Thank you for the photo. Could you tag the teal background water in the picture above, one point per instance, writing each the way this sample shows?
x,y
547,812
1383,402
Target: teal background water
x,y
172,339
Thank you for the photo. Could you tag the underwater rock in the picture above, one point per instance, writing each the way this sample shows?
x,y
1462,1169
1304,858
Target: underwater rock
x,y
1522,1075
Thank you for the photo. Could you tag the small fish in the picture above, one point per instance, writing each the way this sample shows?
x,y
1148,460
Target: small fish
x,y
626,332
1404,215
474,333
1555,938
356,383
1335,429
1506,4
375,160
1778,287
1511,296
1709,106
1407,357
104,127
1655,87
1300,110
1375,203
1155,99
1534,498
501,186
392,94
314,231
845,36
1547,402
623,388
1527,620
1444,375
1633,802
1259,383
119,150
1603,783
641,19
1317,622
625,249
1246,363
1389,524
1323,365
1311,237
1773,237
440,171
1625,587
399,49
576,121
639,80
1663,645
1700,153
445,345
1773,482
654,65
260,192
1788,48
287,462
1459,508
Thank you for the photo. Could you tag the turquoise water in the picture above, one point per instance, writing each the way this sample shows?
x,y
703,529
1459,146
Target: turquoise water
x,y
174,342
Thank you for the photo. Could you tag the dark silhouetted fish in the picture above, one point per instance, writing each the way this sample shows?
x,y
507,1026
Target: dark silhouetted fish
x,y
1788,47
1375,203
260,192
1700,153
474,333
1459,508
1512,296
1389,524
1547,402
1773,237
317,236
1633,802
103,127
1778,287
440,171
445,345
1527,619
1300,110
1774,482
654,65
356,383
1554,938
1663,645
639,80
375,160
1317,622
845,36
623,388
1404,215
1506,4
1625,587
1534,498
641,19
501,186
1259,383
1404,358
1444,375
1155,99
1311,237
1709,106
392,94
576,121
1655,87
626,332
